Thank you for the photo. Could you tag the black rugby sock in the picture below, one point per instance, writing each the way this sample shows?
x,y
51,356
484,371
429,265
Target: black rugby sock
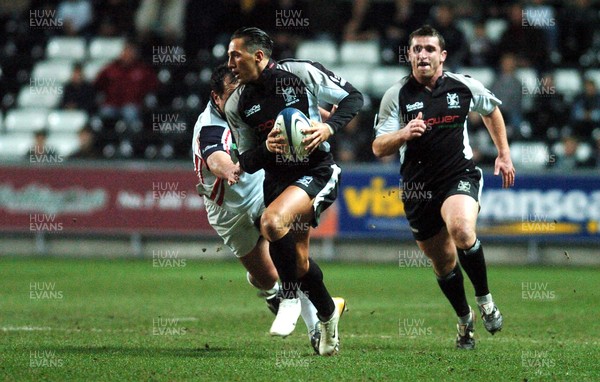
x,y
473,262
283,254
453,287
312,285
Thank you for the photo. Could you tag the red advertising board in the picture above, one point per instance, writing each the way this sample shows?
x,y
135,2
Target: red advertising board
x,y
108,200
119,200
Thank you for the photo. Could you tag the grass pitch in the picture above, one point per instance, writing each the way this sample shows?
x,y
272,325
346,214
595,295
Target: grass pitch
x,y
119,320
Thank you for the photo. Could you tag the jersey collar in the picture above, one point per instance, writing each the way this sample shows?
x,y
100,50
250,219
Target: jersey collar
x,y
438,84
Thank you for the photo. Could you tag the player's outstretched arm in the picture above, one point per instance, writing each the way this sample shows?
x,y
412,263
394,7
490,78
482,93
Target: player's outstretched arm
x,y
221,165
497,129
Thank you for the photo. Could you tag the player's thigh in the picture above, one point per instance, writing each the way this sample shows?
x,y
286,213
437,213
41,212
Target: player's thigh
x,y
460,215
258,262
292,205
237,230
441,250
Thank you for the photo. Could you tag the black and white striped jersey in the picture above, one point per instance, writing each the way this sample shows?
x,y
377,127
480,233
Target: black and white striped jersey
x,y
443,151
252,109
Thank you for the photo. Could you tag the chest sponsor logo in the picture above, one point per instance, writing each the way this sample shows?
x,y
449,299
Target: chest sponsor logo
x,y
463,186
252,110
414,106
453,102
289,96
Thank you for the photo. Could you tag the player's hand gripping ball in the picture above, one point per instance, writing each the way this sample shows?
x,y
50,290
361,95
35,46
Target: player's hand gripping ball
x,y
291,122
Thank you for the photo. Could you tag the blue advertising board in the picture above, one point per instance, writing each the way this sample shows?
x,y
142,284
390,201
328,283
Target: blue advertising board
x,y
547,206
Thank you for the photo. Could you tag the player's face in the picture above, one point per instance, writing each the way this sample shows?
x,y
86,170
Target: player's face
x,y
230,83
243,64
426,58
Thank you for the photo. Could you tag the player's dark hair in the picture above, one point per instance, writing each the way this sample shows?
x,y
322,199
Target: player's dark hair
x,y
255,39
217,79
428,31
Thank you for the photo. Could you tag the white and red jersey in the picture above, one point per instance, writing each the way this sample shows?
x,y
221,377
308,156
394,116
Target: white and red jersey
x,y
211,134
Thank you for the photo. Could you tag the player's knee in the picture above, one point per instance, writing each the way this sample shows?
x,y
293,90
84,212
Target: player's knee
x,y
272,226
462,234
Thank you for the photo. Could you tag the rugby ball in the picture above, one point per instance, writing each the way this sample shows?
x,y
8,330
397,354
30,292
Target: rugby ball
x,y
291,121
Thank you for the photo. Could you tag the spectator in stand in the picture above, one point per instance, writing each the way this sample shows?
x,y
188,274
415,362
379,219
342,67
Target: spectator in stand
x,y
480,48
114,17
78,93
509,89
550,113
162,17
357,28
407,17
76,16
595,161
576,37
527,43
87,145
124,83
443,20
40,149
567,157
353,143
585,111
543,16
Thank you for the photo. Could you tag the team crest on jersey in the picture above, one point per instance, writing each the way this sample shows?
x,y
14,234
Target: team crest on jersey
x,y
289,96
463,186
452,99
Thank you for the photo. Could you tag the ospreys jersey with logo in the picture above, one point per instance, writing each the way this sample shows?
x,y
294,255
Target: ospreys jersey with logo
x,y
252,109
443,151
211,133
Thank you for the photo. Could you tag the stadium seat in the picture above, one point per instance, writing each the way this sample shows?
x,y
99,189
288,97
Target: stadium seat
x,y
360,52
467,27
530,155
384,77
484,74
25,120
15,145
51,72
594,75
325,52
64,143
105,48
92,68
358,75
494,28
67,120
72,48
568,82
39,96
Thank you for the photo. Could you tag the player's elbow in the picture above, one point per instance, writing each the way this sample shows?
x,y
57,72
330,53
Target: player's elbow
x,y
378,149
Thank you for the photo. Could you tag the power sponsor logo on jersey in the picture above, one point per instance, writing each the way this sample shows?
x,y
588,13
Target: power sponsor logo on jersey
x,y
252,110
446,121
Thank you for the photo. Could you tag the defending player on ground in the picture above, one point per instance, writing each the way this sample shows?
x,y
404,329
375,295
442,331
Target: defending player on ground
x,y
295,192
424,116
